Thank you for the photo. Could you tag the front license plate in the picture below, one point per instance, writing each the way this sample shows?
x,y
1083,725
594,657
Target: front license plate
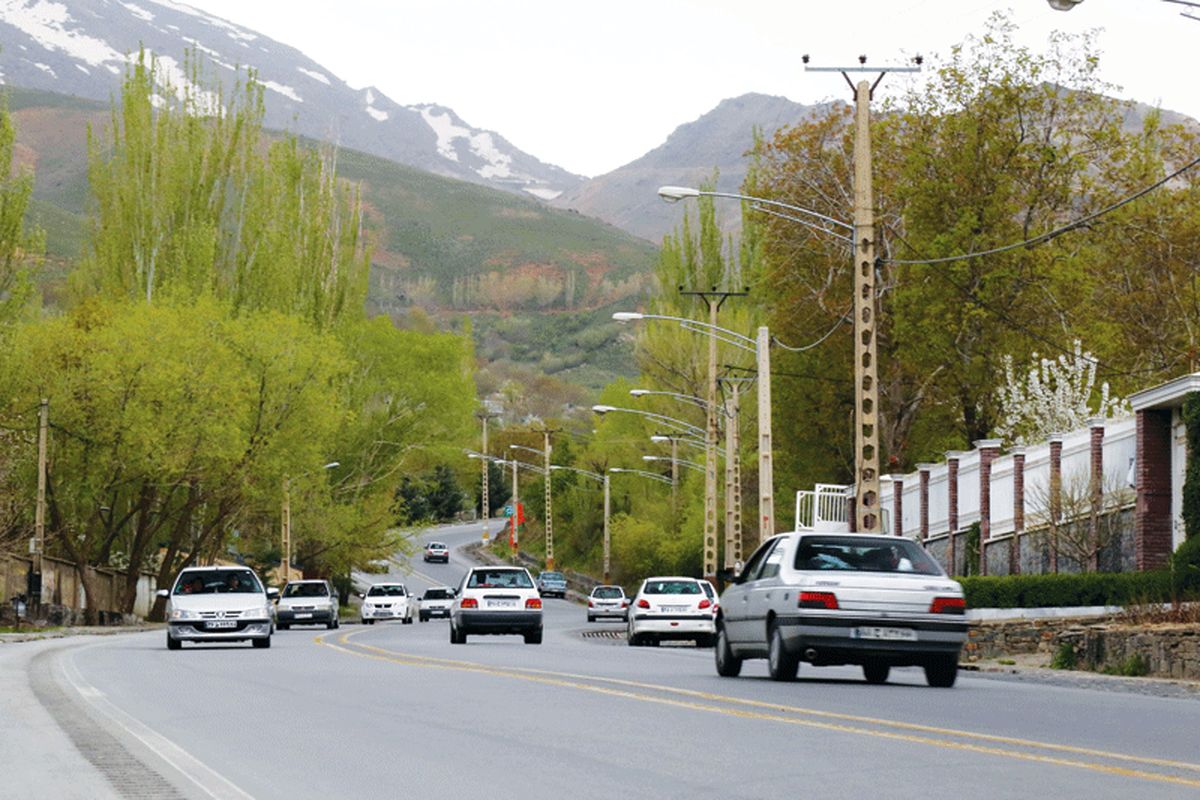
x,y
221,623
304,615
502,604
887,634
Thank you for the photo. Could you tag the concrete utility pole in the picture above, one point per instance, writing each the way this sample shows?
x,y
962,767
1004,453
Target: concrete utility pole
x,y
714,299
485,500
766,468
549,514
867,517
607,535
733,437
286,531
39,513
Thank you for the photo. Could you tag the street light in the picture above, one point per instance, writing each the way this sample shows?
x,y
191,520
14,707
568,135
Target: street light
x,y
654,476
286,515
675,423
680,461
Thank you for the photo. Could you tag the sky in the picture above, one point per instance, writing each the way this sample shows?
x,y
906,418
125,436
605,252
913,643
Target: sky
x,y
591,86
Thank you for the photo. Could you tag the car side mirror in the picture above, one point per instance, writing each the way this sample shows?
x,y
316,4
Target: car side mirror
x,y
272,593
733,575
359,595
162,593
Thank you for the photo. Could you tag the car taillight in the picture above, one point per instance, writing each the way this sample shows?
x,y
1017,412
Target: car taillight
x,y
705,603
642,603
470,602
948,605
818,600
590,603
533,602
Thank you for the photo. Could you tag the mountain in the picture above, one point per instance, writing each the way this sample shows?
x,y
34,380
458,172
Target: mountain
x,y
82,47
627,197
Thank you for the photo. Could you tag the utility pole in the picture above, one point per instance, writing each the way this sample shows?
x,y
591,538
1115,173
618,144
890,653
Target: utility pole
x,y
714,299
485,500
516,515
286,530
549,516
766,469
39,514
607,535
867,518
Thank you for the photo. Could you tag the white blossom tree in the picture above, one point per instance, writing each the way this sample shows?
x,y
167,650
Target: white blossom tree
x,y
1053,395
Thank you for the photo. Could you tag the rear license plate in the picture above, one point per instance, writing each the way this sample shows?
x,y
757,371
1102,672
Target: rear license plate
x,y
675,609
304,615
502,604
886,634
213,625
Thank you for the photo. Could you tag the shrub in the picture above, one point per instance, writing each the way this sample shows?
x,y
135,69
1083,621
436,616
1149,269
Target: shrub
x,y
1064,657
1086,589
1135,666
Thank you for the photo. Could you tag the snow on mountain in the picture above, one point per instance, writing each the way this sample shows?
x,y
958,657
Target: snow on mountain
x,y
82,47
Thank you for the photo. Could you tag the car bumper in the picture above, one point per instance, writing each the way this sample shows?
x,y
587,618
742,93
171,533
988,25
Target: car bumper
x,y
196,631
555,591
435,612
318,617
445,559
385,613
617,613
681,626
839,640
497,621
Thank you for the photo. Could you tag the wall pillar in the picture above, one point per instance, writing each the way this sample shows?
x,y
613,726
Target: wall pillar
x,y
1014,550
1096,429
897,504
923,471
1055,510
988,450
952,510
1152,513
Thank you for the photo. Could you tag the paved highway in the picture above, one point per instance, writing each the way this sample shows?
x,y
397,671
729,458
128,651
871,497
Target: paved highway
x,y
394,710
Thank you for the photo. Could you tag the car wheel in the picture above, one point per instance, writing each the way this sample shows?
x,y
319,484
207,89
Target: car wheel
x,y
534,638
331,624
781,665
408,620
591,618
261,644
728,665
631,638
942,671
173,643
456,637
876,671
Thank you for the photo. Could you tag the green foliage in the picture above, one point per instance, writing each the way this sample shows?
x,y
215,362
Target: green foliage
x,y
430,497
1191,481
1086,589
1185,566
1064,657
971,549
19,249
1134,666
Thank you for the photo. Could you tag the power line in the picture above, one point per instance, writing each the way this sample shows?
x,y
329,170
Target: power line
x,y
841,321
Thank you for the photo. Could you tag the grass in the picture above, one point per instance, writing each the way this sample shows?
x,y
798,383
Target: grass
x,y
1064,657
29,628
1135,666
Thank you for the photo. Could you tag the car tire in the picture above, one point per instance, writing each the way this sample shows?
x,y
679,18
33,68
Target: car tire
x,y
591,618
173,643
283,626
534,637
408,620
728,664
631,638
781,665
331,624
942,671
261,644
456,637
876,671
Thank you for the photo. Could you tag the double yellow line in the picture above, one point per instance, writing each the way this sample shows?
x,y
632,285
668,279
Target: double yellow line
x,y
1005,746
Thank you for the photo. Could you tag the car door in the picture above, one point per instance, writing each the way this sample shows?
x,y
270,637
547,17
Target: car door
x,y
735,601
766,593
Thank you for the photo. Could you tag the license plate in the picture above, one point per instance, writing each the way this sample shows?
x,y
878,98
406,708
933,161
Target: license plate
x,y
502,604
221,623
304,615
887,634
675,609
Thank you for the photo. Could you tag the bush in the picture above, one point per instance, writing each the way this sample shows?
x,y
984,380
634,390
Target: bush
x,y
1086,589
1064,657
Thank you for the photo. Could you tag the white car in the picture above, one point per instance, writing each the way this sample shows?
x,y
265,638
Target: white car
x,y
307,602
436,602
387,601
607,601
670,608
496,600
218,604
846,598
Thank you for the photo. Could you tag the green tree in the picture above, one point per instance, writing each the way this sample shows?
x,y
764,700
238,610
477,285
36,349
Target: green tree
x,y
20,250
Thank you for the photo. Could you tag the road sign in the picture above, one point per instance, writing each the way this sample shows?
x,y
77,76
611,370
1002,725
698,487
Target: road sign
x,y
508,510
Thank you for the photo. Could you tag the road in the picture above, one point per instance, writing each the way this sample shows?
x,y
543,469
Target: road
x,y
394,710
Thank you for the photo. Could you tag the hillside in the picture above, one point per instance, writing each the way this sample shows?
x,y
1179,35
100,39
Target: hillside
x,y
537,283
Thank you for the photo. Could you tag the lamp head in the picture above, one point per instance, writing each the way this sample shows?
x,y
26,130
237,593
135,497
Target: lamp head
x,y
627,316
332,464
660,439
602,409
673,194
649,458
1063,5
639,392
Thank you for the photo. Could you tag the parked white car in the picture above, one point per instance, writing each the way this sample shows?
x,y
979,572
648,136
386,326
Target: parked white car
x,y
496,600
876,601
670,608
387,601
307,602
218,604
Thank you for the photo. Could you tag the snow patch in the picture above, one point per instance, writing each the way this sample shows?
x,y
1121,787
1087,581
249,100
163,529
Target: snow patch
x,y
83,69
46,68
199,46
316,76
174,78
542,193
139,12
499,165
48,23
381,116
286,91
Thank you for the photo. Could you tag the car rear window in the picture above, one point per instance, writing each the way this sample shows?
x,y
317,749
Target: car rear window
x,y
499,579
436,546
437,594
864,555
554,576
607,592
212,581
672,587
306,590
395,590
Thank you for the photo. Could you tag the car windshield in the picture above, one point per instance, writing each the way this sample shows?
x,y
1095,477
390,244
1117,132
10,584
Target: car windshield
x,y
672,587
552,576
390,590
608,592
864,555
437,594
436,546
305,590
499,579
708,589
217,581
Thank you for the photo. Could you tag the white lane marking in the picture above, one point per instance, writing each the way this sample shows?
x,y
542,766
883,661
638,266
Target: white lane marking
x,y
208,780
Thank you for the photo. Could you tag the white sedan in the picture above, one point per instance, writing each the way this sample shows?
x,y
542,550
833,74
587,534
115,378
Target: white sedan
x,y
388,601
671,608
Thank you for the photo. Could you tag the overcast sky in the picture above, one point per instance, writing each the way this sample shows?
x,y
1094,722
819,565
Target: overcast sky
x,y
590,85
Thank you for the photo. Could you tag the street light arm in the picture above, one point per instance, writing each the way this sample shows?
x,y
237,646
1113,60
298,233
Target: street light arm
x,y
673,194
724,334
675,423
596,476
643,473
680,461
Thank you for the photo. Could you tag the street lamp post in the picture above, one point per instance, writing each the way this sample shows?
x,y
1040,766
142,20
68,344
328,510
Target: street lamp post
x,y
286,515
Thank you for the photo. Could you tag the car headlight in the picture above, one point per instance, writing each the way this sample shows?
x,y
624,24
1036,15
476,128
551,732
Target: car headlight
x,y
368,607
183,613
258,611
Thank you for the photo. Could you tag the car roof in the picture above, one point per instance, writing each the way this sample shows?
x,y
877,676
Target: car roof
x,y
672,578
388,583
310,580
215,567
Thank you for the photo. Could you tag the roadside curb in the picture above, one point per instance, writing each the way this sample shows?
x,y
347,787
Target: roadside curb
x,y
35,635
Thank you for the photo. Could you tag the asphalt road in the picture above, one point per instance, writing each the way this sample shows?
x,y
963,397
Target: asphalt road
x,y
394,710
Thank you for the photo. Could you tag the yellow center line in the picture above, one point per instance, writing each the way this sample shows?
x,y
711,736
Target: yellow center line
x,y
576,681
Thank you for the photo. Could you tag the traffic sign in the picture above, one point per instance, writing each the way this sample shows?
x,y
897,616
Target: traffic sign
x,y
508,510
